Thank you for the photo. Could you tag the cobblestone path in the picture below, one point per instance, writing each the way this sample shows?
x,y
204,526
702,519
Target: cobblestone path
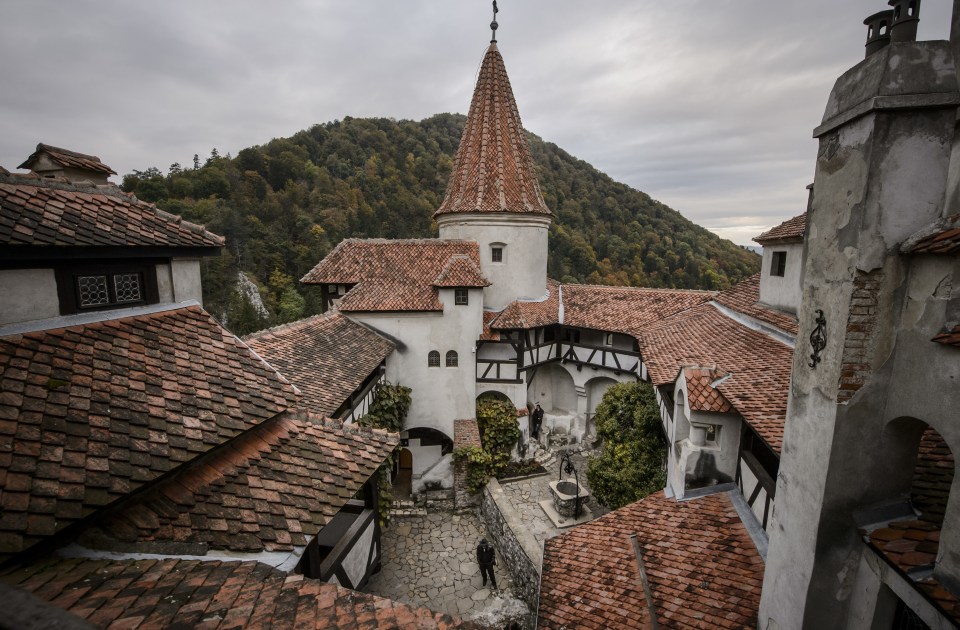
x,y
431,561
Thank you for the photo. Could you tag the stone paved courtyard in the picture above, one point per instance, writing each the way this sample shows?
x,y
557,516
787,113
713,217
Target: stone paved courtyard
x,y
430,560
525,496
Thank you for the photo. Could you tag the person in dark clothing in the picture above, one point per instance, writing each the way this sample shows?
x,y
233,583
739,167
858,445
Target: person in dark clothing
x,y
537,420
486,558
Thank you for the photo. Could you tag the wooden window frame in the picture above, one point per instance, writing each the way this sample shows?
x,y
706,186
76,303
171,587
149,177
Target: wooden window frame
x,y
778,264
461,296
452,359
433,359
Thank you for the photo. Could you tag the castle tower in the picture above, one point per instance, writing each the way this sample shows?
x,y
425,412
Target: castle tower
x,y
493,197
873,379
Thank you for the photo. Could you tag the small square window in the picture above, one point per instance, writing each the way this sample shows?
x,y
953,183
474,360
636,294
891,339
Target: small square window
x,y
712,434
461,296
496,254
92,291
332,289
608,339
778,264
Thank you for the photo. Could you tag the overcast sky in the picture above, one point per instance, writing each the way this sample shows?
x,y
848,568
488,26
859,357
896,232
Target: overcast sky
x,y
706,105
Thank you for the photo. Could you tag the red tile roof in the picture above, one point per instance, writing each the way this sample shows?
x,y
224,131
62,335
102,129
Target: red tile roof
x,y
944,238
701,395
489,334
68,159
92,412
624,309
493,170
704,570
274,488
745,298
949,338
191,594
42,213
759,366
461,271
531,314
392,275
327,357
791,230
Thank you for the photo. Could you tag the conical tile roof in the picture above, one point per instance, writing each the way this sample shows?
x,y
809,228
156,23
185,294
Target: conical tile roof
x,y
493,170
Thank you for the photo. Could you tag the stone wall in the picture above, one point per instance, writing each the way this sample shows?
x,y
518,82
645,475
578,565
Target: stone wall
x,y
465,433
517,549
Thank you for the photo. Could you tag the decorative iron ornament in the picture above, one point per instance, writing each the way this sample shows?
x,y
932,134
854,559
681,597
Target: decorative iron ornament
x,y
494,25
818,339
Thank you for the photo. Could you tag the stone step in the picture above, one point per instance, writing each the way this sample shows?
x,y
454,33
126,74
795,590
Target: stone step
x,y
401,512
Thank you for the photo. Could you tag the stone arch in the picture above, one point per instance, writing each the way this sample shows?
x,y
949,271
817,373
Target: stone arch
x,y
429,450
919,467
553,387
595,388
495,395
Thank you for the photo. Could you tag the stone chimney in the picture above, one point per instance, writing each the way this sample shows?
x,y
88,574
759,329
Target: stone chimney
x,y
878,31
52,162
906,16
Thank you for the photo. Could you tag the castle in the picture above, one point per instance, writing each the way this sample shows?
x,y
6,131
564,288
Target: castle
x,y
811,411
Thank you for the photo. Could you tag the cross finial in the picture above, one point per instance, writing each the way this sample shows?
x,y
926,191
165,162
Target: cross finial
x,y
494,25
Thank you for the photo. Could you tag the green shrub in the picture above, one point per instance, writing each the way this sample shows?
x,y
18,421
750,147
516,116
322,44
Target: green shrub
x,y
478,466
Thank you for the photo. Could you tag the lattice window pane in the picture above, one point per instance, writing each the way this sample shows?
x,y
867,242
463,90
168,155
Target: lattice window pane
x,y
127,287
93,291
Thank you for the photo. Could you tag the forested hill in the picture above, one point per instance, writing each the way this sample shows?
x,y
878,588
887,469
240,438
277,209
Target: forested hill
x,y
282,206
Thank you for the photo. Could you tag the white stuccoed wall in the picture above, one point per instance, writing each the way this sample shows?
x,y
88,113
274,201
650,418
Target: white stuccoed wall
x,y
782,292
28,294
523,272
440,395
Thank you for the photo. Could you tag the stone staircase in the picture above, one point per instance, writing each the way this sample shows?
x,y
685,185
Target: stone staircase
x,y
406,507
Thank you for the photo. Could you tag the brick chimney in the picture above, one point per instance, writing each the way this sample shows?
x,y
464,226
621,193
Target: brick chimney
x,y
906,16
878,31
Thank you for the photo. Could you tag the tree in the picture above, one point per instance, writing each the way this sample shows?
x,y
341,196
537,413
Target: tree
x,y
630,466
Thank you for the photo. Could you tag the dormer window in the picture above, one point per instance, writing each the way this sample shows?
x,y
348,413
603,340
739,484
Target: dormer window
x,y
778,264
111,285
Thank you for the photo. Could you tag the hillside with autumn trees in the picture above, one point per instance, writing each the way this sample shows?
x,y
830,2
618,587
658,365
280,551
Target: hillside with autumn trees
x,y
283,205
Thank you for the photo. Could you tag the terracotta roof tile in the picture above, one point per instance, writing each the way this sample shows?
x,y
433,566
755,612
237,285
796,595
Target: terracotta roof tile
x,y
92,412
531,314
703,568
273,489
941,238
791,230
701,394
493,170
488,334
160,593
39,212
327,357
624,309
391,275
949,338
461,271
68,159
759,366
745,298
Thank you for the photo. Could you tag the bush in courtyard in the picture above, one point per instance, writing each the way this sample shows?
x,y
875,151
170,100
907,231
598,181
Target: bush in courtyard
x,y
499,431
631,464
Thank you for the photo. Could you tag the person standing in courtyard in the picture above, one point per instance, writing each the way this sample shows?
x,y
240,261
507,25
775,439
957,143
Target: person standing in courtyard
x,y
537,421
487,558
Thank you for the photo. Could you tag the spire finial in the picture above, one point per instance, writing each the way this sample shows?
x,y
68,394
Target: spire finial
x,y
494,25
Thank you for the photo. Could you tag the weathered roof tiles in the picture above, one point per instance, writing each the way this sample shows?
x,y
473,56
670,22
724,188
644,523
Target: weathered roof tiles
x,y
92,412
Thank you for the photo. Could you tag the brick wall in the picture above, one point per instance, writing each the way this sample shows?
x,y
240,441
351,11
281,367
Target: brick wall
x,y
855,365
465,433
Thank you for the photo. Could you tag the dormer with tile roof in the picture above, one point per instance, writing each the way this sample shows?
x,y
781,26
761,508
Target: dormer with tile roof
x,y
782,269
53,162
493,196
69,247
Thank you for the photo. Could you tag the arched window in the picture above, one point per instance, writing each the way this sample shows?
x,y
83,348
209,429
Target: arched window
x,y
452,358
433,359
